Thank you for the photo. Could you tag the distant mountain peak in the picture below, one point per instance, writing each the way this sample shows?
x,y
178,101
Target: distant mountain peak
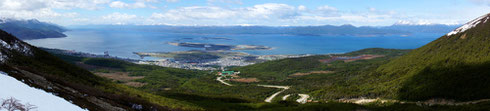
x,y
480,20
421,23
5,20
31,28
406,22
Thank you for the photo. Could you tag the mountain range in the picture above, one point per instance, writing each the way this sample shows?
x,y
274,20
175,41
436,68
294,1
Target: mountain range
x,y
34,29
328,30
31,29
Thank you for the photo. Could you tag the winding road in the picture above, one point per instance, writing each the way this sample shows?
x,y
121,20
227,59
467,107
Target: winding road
x,y
220,80
269,99
284,98
303,99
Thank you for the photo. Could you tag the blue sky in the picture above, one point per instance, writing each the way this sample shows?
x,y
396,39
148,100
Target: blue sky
x,y
246,12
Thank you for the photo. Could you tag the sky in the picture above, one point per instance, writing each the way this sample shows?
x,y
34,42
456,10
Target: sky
x,y
246,12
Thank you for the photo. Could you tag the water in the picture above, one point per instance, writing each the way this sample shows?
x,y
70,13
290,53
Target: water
x,y
123,43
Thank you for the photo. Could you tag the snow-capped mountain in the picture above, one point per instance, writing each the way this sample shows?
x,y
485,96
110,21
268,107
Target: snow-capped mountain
x,y
480,20
406,22
31,29
421,27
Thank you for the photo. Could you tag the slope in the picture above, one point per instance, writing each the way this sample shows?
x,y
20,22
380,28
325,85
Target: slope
x,y
204,91
42,70
454,66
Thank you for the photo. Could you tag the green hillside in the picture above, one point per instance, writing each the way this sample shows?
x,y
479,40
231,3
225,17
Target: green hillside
x,y
201,89
451,67
454,67
279,70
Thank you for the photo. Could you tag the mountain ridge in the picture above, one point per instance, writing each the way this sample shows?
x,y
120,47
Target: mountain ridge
x,y
42,70
443,65
31,29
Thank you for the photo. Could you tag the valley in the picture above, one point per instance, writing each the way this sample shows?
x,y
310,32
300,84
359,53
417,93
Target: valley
x,y
268,93
234,55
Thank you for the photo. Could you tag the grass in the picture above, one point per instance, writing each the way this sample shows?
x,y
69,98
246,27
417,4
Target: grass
x,y
202,91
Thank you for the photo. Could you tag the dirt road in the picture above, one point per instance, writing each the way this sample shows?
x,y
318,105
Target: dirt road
x,y
269,99
220,80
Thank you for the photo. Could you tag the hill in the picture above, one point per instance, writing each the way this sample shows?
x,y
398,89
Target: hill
x,y
280,70
454,66
451,68
40,69
31,29
201,88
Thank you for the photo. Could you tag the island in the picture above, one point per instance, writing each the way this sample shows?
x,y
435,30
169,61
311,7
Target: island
x,y
219,47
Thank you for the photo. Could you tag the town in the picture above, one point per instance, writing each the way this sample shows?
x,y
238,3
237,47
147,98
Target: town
x,y
231,59
220,62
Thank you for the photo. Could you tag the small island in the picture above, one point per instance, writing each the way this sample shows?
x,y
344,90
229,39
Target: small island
x,y
219,47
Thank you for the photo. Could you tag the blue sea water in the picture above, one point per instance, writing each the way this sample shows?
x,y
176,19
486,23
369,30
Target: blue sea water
x,y
123,43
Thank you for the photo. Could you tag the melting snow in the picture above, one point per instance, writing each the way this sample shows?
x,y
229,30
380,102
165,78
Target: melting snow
x,y
10,87
470,24
2,57
14,46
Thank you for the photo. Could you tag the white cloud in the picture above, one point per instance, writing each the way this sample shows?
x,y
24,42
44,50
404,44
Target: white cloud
x,y
302,8
119,18
214,2
218,12
59,4
372,9
262,11
31,9
28,5
271,10
120,4
82,4
483,2
196,12
172,1
217,15
327,8
270,14
326,11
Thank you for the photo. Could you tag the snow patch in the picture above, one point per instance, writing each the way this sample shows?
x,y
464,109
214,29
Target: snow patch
x,y
469,25
2,57
13,46
420,22
11,87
